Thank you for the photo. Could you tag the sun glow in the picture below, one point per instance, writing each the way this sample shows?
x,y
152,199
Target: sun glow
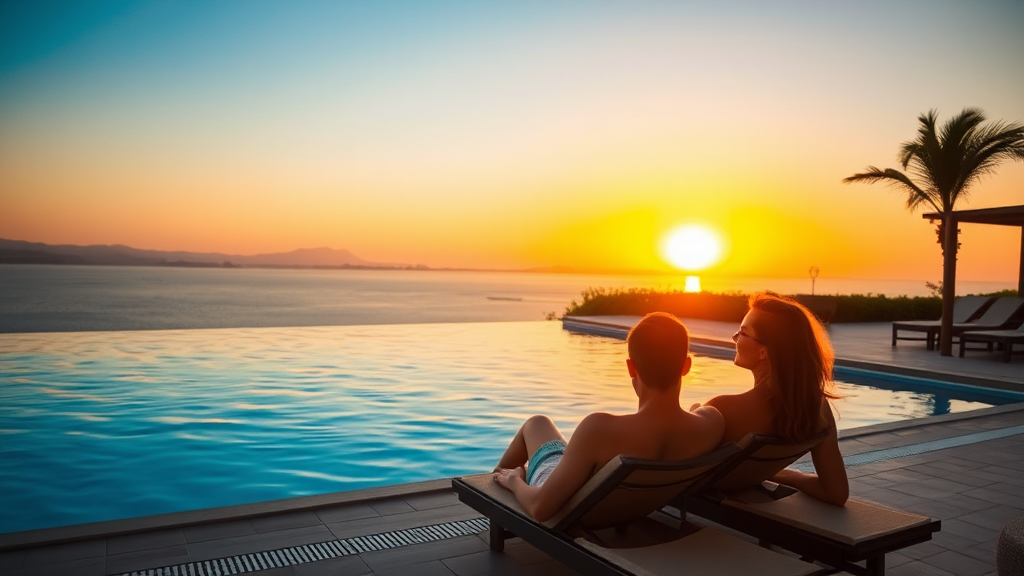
x,y
692,247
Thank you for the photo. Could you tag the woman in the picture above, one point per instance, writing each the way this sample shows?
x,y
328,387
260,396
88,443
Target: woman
x,y
788,351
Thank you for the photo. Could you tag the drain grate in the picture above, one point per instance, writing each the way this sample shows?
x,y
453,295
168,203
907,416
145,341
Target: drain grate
x,y
306,553
919,448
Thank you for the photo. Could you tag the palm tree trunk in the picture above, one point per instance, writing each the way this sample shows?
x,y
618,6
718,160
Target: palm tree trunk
x,y
949,249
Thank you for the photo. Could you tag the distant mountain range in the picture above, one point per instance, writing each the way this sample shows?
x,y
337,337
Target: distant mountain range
x,y
20,252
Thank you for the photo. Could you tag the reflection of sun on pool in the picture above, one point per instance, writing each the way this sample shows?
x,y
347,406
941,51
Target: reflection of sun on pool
x,y
692,247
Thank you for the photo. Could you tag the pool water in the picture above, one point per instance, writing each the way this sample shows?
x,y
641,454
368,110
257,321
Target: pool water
x,y
105,425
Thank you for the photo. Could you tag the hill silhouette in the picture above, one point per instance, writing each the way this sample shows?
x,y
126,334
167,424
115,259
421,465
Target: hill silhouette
x,y
21,252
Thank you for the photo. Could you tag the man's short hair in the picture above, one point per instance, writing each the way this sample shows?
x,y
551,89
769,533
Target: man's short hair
x,y
658,346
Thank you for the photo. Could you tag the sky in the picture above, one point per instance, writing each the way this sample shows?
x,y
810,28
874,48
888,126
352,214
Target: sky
x,y
501,135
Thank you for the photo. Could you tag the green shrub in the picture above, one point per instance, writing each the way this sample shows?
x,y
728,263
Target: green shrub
x,y
731,307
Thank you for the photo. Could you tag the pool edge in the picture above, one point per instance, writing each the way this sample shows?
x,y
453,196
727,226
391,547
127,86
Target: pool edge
x,y
77,532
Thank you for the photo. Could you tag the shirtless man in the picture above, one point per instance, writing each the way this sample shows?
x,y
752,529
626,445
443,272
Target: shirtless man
x,y
660,429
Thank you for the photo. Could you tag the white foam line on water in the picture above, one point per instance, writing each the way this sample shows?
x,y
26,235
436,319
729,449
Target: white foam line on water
x,y
919,448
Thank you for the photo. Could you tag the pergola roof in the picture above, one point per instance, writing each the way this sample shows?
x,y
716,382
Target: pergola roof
x,y
1004,216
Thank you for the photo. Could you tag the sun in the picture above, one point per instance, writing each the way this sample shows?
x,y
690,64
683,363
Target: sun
x,y
692,247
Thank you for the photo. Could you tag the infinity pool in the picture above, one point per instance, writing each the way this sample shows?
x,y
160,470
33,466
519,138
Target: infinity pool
x,y
104,425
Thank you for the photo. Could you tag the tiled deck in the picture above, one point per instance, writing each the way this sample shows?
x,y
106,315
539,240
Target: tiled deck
x,y
974,489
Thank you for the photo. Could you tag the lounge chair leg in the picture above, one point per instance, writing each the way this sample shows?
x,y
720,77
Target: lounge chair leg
x,y
894,336
876,565
1007,351
497,538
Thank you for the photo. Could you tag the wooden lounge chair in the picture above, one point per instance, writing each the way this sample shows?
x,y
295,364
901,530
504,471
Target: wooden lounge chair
x,y
1005,338
838,536
964,309
613,524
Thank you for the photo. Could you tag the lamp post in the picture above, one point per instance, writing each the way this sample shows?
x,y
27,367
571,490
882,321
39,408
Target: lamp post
x,y
814,274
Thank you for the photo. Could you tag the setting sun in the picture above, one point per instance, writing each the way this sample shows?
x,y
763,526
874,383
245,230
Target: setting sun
x,y
692,247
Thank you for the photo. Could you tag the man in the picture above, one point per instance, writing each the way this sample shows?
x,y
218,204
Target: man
x,y
658,348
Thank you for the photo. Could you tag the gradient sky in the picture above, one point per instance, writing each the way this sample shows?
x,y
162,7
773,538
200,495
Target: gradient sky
x,y
508,135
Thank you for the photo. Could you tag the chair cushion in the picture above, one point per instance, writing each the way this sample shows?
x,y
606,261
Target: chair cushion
x,y
852,524
707,551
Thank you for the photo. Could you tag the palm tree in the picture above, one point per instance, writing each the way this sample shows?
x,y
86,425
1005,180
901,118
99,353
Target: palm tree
x,y
942,166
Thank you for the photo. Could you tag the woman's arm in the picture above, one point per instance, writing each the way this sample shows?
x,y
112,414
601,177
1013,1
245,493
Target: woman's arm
x,y
830,483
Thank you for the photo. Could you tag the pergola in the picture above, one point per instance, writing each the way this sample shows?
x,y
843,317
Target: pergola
x,y
1002,216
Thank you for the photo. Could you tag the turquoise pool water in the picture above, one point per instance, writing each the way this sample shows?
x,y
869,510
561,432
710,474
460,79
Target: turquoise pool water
x,y
103,425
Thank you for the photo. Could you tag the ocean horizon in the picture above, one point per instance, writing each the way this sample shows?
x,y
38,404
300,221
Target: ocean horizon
x,y
56,298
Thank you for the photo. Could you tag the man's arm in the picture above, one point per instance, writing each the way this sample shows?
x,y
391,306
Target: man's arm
x,y
576,467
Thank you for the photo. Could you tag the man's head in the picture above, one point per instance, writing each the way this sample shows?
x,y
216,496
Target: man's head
x,y
659,350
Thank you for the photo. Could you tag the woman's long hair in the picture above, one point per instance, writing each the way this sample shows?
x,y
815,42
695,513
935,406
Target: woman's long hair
x,y
801,359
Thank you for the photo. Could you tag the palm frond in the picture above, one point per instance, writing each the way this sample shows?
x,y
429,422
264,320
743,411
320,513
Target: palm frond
x,y
897,180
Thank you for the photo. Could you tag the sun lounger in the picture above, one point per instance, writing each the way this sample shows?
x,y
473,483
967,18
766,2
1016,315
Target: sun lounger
x,y
964,308
613,524
1005,338
838,536
997,316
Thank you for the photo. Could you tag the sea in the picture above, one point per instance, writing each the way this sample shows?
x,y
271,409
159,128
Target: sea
x,y
54,298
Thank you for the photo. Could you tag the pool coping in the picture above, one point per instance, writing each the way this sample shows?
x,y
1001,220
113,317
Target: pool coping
x,y
619,331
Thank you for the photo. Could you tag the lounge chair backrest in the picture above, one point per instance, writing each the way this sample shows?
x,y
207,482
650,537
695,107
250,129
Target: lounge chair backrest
x,y
628,488
967,306
1000,312
762,458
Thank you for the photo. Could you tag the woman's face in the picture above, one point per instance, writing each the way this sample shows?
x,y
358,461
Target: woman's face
x,y
750,351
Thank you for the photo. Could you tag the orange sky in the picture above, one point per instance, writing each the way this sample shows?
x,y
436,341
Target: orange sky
x,y
456,135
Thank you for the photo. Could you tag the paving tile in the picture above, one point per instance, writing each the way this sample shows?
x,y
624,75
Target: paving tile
x,y
1000,474
284,521
951,541
154,558
891,498
486,562
996,497
11,561
218,530
934,488
524,553
968,530
894,559
347,512
391,506
986,552
344,566
258,542
432,568
366,526
420,553
993,518
552,568
959,564
963,476
65,553
922,550
918,568
79,567
432,500
144,541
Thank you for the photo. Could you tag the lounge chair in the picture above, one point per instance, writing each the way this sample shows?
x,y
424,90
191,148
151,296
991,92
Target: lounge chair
x,y
998,316
1005,338
964,308
837,536
613,525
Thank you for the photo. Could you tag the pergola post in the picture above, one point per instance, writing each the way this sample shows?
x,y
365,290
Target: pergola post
x,y
1020,268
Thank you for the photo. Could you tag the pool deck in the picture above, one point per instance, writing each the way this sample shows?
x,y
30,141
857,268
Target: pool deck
x,y
974,488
